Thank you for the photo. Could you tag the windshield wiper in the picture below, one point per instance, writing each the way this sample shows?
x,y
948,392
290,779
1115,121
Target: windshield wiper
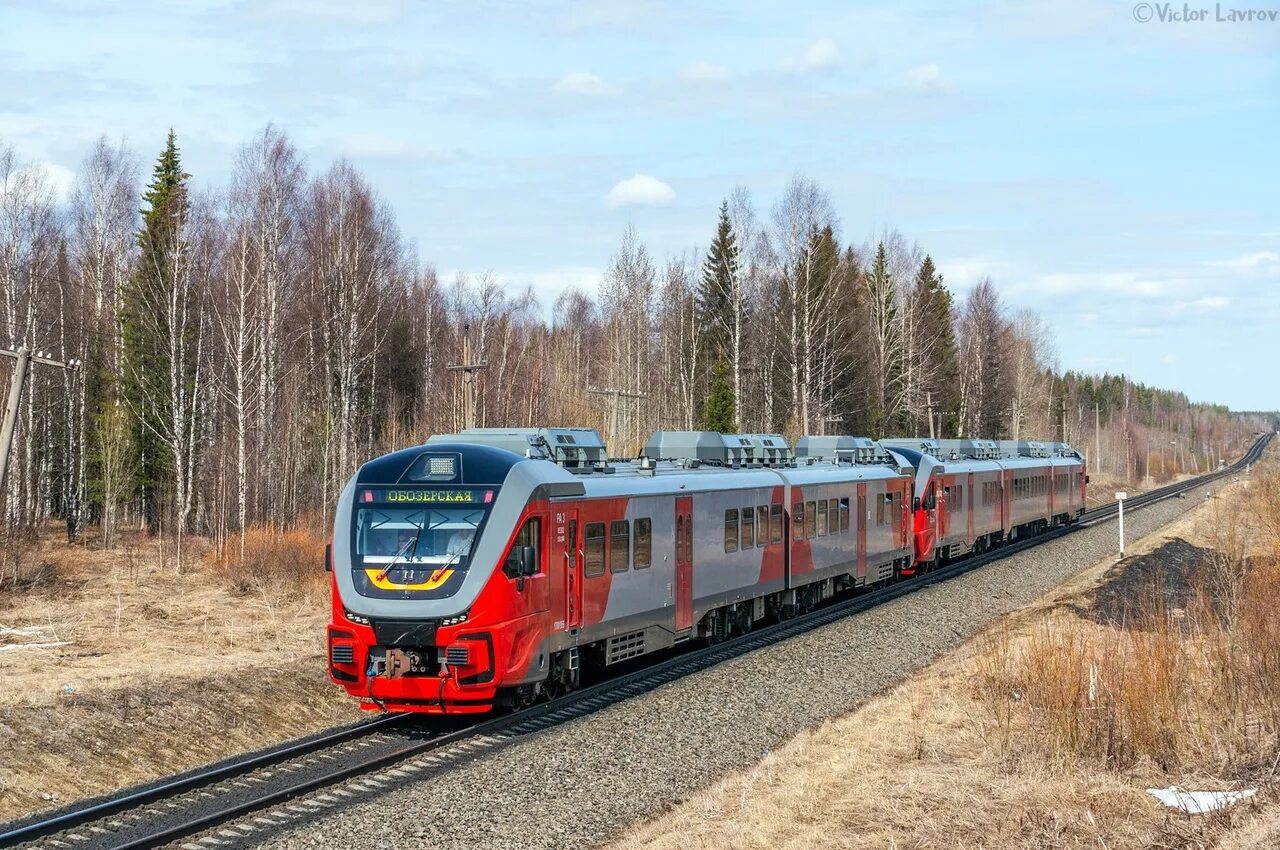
x,y
410,546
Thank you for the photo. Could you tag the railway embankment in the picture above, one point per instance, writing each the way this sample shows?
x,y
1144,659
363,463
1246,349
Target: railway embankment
x,y
659,755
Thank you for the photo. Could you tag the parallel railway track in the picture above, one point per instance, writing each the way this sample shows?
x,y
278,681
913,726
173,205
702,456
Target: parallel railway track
x,y
232,801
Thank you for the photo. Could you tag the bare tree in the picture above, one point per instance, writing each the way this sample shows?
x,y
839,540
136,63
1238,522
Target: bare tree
x,y
353,261
1029,363
803,212
981,329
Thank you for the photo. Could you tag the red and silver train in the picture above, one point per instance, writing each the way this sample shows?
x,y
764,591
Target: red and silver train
x,y
491,567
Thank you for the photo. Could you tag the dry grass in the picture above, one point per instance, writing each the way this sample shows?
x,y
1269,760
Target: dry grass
x,y
1043,732
1194,691
205,663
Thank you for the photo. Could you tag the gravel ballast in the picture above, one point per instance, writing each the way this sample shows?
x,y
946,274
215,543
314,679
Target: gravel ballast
x,y
581,783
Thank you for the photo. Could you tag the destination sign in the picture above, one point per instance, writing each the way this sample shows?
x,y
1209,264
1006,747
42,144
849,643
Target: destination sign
x,y
432,496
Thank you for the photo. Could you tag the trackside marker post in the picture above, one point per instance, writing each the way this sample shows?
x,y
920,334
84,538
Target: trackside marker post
x,y
1121,495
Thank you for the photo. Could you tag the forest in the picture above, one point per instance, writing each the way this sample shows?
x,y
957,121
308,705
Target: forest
x,y
245,349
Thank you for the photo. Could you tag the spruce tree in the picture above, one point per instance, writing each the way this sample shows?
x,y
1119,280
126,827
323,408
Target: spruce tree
x,y
146,381
717,413
886,362
935,305
716,289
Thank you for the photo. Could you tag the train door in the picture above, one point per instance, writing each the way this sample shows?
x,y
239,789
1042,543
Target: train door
x,y
905,527
942,511
968,495
684,562
861,531
569,553
1006,502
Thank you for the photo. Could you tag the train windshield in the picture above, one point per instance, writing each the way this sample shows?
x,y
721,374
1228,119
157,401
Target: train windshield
x,y
426,529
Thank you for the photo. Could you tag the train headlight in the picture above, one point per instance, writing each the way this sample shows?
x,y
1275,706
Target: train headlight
x,y
355,618
455,619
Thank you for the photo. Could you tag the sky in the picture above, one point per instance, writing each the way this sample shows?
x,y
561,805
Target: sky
x,y
1112,165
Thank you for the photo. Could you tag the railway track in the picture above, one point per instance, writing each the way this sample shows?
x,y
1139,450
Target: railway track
x,y
241,799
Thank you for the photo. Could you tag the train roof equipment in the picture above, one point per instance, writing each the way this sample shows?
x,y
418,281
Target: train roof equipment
x,y
732,451
841,449
575,449
1023,448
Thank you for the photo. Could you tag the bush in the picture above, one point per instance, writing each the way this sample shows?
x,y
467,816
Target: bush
x,y
274,561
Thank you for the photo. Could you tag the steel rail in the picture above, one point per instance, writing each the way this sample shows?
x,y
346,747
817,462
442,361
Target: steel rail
x,y
576,704
185,783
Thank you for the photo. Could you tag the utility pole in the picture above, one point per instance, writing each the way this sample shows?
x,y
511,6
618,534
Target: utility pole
x,y
928,406
23,358
468,370
616,396
832,419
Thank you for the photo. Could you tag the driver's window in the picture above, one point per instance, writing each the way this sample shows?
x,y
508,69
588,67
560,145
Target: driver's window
x,y
529,535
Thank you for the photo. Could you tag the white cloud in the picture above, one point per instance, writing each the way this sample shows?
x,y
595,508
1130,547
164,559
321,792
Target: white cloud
x,y
580,82
963,273
1133,284
61,179
47,178
705,72
1200,305
927,79
1263,263
378,146
640,189
1169,358
364,12
1088,318
818,56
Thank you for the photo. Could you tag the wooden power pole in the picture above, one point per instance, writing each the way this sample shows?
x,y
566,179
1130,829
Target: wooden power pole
x,y
22,358
468,370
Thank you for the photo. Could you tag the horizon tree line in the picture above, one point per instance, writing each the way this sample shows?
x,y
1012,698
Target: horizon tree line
x,y
246,349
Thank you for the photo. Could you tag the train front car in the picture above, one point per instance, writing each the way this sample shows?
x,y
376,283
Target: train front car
x,y
439,588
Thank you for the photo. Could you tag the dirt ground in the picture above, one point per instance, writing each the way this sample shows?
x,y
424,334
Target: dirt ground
x,y
117,670
922,767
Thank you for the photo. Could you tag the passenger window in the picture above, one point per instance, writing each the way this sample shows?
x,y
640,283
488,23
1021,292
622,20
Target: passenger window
x,y
619,546
762,522
809,526
797,521
644,543
680,537
822,517
895,517
593,549
748,528
527,536
731,530
833,517
775,523
844,514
